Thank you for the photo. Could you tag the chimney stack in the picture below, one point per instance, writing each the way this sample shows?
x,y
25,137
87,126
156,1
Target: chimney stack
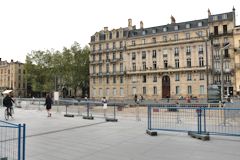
x,y
173,20
209,12
129,23
141,24
105,28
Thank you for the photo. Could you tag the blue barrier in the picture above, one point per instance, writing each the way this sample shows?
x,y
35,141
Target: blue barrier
x,y
200,118
12,141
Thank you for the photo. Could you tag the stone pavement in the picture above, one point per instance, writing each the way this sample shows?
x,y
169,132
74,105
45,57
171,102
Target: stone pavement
x,y
65,138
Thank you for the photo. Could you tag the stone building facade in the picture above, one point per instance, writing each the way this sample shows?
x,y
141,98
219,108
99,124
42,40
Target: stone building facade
x,y
172,60
12,77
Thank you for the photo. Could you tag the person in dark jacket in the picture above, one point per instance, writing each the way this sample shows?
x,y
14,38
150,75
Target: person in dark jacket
x,y
48,104
8,102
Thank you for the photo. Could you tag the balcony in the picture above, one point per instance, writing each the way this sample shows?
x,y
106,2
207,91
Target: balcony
x,y
165,70
219,34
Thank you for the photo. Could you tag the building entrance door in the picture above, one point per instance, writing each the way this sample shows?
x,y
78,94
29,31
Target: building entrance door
x,y
166,87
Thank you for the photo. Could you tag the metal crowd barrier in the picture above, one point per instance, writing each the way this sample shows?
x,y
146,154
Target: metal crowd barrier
x,y
200,118
12,141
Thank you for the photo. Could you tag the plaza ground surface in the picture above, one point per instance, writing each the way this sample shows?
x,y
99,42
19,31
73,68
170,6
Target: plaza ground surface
x,y
65,138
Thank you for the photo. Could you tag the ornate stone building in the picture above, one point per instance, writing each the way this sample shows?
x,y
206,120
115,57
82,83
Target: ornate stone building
x,y
12,77
172,60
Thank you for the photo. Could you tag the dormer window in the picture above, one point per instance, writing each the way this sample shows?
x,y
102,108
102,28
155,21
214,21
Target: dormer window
x,y
215,18
165,29
199,24
143,32
187,25
224,16
175,28
154,31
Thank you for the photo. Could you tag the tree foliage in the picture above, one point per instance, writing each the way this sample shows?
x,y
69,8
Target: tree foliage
x,y
51,70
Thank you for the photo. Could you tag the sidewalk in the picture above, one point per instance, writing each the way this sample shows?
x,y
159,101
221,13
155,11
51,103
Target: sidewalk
x,y
65,138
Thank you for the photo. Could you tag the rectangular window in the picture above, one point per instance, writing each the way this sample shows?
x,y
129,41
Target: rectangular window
x,y
144,80
187,35
225,30
175,37
199,24
201,76
108,92
154,78
133,43
134,66
100,57
114,79
224,16
187,25
201,89
107,67
154,53
144,90
113,55
94,92
176,63
121,79
121,56
189,89
177,90
215,18
143,54
176,51
100,68
189,76
164,38
177,77
107,79
188,50
121,92
133,56
154,64
165,62
144,66
114,91
134,90
154,90
100,92
215,30
121,44
114,45
200,49
121,67
114,68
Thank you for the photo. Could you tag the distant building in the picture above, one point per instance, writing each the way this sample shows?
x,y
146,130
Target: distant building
x,y
166,61
12,77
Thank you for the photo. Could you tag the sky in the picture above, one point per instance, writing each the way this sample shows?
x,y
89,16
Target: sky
x,y
28,25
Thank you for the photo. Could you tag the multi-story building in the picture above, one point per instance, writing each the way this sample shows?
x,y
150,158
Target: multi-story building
x,y
236,37
12,77
172,60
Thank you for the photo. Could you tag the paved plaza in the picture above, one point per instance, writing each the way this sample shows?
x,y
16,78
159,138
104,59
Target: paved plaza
x,y
66,138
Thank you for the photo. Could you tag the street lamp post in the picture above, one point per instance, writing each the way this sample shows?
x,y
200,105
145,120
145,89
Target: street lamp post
x,y
221,61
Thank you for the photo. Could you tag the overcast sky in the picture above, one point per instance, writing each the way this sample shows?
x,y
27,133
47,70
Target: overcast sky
x,y
52,24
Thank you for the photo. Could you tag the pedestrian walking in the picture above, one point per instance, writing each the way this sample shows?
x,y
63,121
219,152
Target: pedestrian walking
x,y
104,102
48,104
135,98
